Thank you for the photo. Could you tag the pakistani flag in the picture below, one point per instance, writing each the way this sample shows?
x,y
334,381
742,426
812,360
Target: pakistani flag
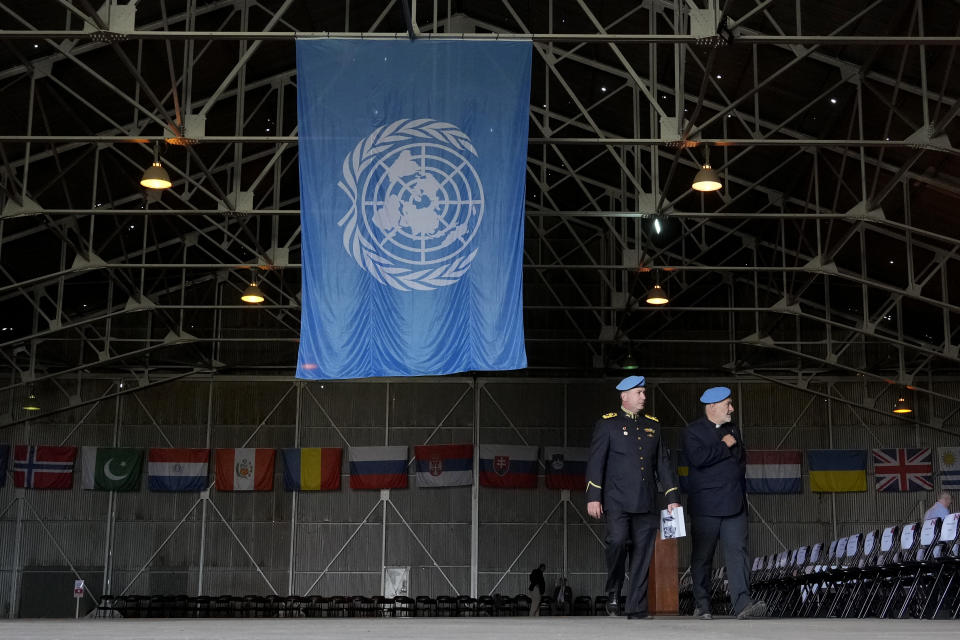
x,y
111,469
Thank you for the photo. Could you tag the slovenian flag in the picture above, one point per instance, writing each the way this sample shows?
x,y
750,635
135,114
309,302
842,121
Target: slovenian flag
x,y
774,471
444,465
245,469
378,467
566,467
178,469
508,466
311,468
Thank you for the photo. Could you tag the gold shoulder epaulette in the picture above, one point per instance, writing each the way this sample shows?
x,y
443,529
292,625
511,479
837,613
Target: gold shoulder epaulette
x,y
654,418
610,415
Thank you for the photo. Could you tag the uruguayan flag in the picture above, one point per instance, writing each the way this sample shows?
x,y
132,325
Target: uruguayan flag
x,y
412,160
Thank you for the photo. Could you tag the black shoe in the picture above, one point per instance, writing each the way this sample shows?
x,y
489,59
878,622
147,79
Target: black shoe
x,y
613,605
703,615
638,616
753,610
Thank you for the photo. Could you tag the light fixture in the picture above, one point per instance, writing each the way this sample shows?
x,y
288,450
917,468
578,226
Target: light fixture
x,y
31,403
629,363
156,177
901,406
252,294
657,295
707,179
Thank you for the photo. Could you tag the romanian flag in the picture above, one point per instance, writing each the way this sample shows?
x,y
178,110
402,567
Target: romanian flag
x,y
837,470
311,469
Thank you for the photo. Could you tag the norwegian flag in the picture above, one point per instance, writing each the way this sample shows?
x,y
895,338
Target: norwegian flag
x,y
903,470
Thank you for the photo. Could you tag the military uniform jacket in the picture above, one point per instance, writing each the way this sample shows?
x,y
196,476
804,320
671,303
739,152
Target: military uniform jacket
x,y
626,461
717,478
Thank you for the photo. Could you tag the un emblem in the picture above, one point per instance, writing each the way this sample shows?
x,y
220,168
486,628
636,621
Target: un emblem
x,y
416,203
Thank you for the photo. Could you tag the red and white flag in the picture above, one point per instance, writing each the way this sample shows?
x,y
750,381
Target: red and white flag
x,y
245,469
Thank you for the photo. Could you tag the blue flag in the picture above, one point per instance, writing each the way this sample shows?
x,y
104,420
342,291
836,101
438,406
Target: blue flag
x,y
412,161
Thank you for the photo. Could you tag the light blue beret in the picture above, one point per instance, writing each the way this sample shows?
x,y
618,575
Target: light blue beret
x,y
631,382
715,394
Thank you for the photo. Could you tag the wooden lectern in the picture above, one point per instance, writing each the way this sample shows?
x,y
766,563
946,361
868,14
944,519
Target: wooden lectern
x,y
663,593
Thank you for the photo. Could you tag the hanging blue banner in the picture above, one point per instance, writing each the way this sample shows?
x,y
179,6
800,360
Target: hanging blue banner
x,y
412,161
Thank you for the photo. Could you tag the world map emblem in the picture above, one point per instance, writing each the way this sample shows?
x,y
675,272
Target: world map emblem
x,y
416,204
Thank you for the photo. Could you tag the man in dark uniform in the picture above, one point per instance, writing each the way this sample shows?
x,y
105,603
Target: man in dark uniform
x,y
627,459
718,504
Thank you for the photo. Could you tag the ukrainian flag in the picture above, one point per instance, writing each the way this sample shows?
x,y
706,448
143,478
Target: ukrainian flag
x,y
837,470
683,470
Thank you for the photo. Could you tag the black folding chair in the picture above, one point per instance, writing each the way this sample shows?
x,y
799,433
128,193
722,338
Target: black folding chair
x,y
902,562
946,555
922,565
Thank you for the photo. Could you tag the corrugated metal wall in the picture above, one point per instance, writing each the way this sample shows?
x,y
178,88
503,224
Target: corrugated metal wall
x,y
162,543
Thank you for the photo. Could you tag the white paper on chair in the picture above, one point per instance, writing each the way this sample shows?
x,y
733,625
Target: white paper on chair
x,y
672,525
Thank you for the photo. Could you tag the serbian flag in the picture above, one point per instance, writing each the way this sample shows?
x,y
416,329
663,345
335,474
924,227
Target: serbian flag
x,y
378,467
42,467
311,469
444,465
178,469
508,466
566,467
774,471
245,469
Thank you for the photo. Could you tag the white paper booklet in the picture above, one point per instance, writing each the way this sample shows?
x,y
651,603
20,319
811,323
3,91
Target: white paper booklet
x,y
672,525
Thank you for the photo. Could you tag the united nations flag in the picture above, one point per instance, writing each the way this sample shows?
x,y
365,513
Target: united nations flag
x,y
412,161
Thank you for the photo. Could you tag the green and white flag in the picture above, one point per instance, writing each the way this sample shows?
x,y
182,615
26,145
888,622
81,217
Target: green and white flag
x,y
111,469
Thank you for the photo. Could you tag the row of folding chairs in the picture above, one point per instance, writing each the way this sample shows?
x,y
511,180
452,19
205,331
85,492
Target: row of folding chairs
x,y
901,571
272,606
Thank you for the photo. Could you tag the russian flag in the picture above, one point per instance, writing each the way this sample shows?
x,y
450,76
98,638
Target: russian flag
x,y
566,467
774,471
507,466
444,465
178,469
245,469
312,468
378,467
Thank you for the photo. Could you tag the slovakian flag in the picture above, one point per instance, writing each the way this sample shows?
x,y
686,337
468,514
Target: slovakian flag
x,y
4,455
311,468
378,467
177,469
776,471
245,469
508,466
412,196
444,465
896,470
43,467
566,467
111,468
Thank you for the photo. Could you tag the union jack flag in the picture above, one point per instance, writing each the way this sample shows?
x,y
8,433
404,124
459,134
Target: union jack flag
x,y
903,469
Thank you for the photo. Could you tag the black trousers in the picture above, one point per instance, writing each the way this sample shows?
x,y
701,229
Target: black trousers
x,y
731,531
622,529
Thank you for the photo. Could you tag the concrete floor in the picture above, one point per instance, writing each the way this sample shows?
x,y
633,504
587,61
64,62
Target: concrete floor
x,y
476,628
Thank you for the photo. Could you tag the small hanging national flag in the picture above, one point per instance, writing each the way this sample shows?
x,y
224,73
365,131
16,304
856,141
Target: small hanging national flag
x,y
111,469
949,467
42,467
837,470
178,469
774,471
378,467
896,470
566,467
444,465
245,469
311,468
4,455
508,466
